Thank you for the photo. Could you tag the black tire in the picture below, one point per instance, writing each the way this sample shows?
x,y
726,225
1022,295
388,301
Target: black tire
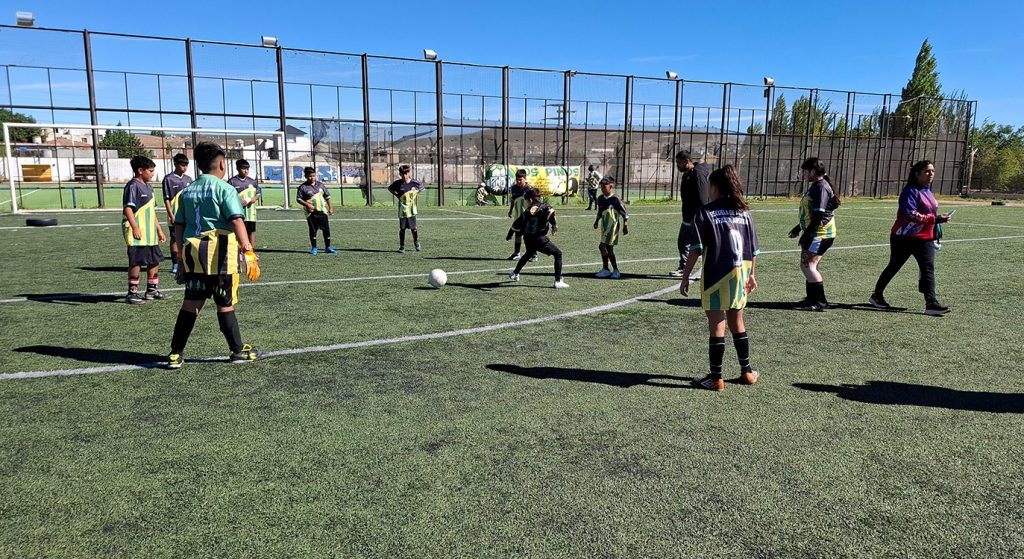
x,y
41,222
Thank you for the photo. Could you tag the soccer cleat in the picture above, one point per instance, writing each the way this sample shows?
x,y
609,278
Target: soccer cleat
x,y
749,377
711,383
603,273
401,249
154,294
676,273
134,299
248,354
175,361
515,256
533,258
616,274
419,247
512,276
935,309
806,305
330,250
313,251
879,302
560,284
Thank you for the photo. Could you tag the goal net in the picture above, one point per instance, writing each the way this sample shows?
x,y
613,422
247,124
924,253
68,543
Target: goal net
x,y
79,166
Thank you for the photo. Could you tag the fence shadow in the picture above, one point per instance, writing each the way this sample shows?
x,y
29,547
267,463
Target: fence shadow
x,y
610,378
904,394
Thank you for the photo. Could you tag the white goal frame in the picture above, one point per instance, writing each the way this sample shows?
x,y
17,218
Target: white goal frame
x,y
278,135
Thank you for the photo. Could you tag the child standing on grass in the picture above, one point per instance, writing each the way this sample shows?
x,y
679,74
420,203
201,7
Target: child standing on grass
x,y
517,205
609,208
406,190
174,183
314,199
142,232
249,194
533,224
723,231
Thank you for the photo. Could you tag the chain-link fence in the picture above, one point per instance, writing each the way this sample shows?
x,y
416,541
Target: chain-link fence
x,y
356,117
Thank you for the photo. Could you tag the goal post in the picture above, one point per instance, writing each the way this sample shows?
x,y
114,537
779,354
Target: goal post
x,y
56,166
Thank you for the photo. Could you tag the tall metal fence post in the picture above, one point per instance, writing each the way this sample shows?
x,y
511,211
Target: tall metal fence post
x,y
439,91
883,132
286,167
566,94
722,138
769,94
627,138
93,118
191,90
367,166
676,109
504,118
967,162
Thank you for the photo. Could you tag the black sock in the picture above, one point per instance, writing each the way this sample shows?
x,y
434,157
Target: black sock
x,y
604,260
401,237
558,265
327,240
519,240
415,236
312,242
229,327
816,292
152,284
716,353
182,330
820,290
133,285
611,258
809,289
742,344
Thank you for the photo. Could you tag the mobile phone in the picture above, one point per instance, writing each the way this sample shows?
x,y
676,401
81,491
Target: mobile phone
x,y
951,213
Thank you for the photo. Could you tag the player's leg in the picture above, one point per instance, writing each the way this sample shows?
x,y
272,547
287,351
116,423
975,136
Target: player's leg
x,y
545,246
415,233
401,234
815,289
518,244
311,223
924,253
740,340
611,258
716,351
899,252
197,290
153,283
250,227
604,272
325,227
133,284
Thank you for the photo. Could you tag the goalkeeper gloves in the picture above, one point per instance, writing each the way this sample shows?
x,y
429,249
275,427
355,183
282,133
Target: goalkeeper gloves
x,y
252,265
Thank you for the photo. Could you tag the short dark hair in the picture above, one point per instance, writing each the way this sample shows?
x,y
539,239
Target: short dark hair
x,y
607,180
308,170
917,168
141,162
521,173
403,169
591,168
531,195
685,155
180,159
241,164
206,154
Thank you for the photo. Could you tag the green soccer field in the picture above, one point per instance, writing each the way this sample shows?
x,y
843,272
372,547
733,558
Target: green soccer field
x,y
497,419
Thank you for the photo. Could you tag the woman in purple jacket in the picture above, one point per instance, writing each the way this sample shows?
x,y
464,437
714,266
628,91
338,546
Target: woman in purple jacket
x,y
913,235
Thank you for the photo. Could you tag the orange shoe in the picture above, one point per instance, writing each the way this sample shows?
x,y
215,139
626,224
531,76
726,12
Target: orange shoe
x,y
750,377
711,383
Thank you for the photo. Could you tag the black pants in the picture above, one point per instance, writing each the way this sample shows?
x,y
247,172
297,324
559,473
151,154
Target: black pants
x,y
315,221
901,249
681,244
542,245
591,198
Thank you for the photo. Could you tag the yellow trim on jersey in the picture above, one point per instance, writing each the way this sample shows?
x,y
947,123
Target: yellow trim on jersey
x,y
729,292
407,204
248,212
145,217
609,227
318,202
212,253
827,231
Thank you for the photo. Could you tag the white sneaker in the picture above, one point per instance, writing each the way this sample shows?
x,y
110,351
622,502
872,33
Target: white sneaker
x,y
603,273
938,245
616,275
676,273
695,275
560,284
512,276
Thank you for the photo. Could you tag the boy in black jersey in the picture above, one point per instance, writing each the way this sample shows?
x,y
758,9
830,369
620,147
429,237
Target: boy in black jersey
x,y
609,210
517,205
533,224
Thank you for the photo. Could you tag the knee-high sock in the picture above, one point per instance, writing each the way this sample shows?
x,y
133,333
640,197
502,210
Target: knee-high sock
x,y
611,258
716,353
182,330
229,327
742,344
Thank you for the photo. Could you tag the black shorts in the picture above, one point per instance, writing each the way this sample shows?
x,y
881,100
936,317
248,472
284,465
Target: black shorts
x,y
250,226
819,246
144,256
407,223
223,289
317,220
542,245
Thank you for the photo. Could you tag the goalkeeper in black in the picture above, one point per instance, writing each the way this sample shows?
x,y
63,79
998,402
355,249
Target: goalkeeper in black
x,y
533,225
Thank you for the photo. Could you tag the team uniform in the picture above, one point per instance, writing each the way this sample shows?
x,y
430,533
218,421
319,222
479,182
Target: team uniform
x,y
406,192
316,194
518,202
728,241
693,191
817,198
173,184
609,209
593,181
248,189
209,257
143,252
534,224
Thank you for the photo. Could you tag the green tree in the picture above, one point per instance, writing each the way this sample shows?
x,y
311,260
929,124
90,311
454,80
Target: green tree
x,y
127,144
158,133
921,100
779,123
999,161
20,135
816,114
868,125
755,128
840,127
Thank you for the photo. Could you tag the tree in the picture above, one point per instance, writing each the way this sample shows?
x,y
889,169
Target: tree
x,y
868,125
21,135
804,113
158,133
755,129
127,144
779,123
999,162
921,100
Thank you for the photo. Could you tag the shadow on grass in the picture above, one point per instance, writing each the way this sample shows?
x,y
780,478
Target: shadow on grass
x,y
282,250
473,258
903,394
93,355
623,276
72,298
694,301
120,269
610,378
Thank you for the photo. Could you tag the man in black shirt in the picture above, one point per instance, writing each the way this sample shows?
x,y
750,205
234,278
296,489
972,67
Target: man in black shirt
x,y
693,190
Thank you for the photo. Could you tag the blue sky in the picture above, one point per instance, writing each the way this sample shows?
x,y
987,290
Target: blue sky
x,y
865,46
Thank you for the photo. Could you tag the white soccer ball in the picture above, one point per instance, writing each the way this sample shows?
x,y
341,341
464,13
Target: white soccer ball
x,y
437,277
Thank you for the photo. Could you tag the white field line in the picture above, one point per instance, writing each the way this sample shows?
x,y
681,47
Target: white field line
x,y
431,336
45,298
468,213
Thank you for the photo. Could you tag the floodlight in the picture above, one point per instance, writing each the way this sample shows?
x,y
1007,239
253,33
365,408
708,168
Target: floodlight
x,y
769,81
25,19
671,75
268,41
429,54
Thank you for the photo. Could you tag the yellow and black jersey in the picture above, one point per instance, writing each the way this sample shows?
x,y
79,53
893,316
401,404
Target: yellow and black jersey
x,y
816,199
138,196
212,253
313,193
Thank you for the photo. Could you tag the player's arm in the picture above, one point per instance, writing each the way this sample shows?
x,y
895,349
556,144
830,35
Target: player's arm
x,y
554,224
751,284
908,207
167,204
621,209
691,261
129,214
303,203
330,205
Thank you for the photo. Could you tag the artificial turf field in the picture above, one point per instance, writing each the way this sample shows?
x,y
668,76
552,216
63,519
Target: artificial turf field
x,y
871,434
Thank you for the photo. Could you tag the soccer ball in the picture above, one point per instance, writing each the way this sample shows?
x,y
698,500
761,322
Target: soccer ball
x,y
437,277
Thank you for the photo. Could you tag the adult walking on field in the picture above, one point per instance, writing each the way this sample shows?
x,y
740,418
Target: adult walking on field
x,y
693,190
913,235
